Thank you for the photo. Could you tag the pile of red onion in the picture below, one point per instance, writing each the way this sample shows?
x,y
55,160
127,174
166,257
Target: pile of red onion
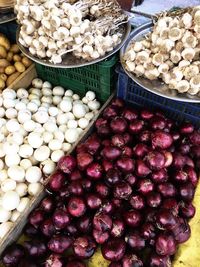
x,y
128,188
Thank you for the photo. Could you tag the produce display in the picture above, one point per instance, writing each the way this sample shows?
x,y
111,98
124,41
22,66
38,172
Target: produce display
x,y
51,29
37,127
12,62
170,52
128,189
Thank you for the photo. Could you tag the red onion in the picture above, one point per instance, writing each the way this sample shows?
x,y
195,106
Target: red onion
x,y
117,203
165,245
187,128
64,193
35,248
56,181
145,136
109,112
125,164
192,175
54,260
127,138
113,176
75,188
161,140
47,204
160,176
36,218
182,231
118,228
102,190
136,126
184,149
167,189
179,161
141,169
118,103
59,243
168,158
93,201
156,160
100,122
118,125
146,114
154,200
157,123
30,230
122,190
150,215
189,162
61,219
187,210
84,247
114,249
67,164
130,114
132,218
100,237
145,186
195,150
81,148
86,184
75,263
72,230
107,165
172,205
135,241
131,179
148,231
127,151
181,176
93,144
12,255
131,260
176,136
107,207
118,140
76,206
111,153
159,261
102,222
84,160
85,224
137,202
47,228
104,131
187,191
140,150
165,220
94,171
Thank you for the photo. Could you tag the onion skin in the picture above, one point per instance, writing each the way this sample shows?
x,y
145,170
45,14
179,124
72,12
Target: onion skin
x,y
111,153
125,164
93,201
154,200
12,255
195,138
47,204
54,260
75,188
109,112
187,210
102,189
118,140
140,150
93,144
142,170
160,176
122,190
84,247
132,260
145,186
100,237
166,220
187,191
165,245
146,114
56,181
148,231
85,224
102,222
59,244
94,171
132,218
113,176
84,160
137,202
118,125
135,241
136,126
158,123
67,164
159,261
130,114
118,103
118,228
161,140
47,228
167,190
36,218
114,249
35,248
61,219
76,206
182,231
155,160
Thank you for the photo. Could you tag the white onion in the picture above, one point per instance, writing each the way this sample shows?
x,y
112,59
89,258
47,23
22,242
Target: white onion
x,y
33,174
42,153
71,135
10,200
16,173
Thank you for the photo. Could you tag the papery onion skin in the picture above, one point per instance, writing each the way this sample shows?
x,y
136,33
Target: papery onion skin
x,y
114,249
165,245
161,140
67,164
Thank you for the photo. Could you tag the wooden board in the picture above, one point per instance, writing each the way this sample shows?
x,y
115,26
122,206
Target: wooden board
x,y
14,233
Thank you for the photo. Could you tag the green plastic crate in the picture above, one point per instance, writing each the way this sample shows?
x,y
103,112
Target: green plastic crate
x,y
100,77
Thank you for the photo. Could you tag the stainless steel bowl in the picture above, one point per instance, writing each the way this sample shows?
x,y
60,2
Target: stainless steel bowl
x,y
157,87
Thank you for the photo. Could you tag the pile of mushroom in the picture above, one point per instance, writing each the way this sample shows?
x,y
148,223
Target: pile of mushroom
x,y
87,28
37,127
170,52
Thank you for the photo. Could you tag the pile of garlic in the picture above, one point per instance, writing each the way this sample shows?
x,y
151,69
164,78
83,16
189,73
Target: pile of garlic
x,y
89,29
37,127
170,52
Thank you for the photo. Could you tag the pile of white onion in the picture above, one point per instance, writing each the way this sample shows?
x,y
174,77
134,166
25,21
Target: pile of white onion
x,y
37,127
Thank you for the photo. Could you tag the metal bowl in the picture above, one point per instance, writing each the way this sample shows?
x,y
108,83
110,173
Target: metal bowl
x,y
157,87
69,60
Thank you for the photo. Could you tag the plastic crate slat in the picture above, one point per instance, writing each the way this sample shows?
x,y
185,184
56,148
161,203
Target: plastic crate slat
x,y
134,94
